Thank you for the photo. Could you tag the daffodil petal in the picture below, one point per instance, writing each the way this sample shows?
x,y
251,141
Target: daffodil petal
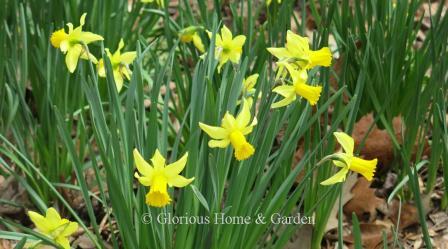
x,y
128,57
144,180
226,34
118,80
82,20
235,56
214,131
284,102
63,241
72,57
300,42
179,181
339,164
52,215
279,53
101,69
142,166
347,143
285,90
239,41
249,128
158,161
198,43
70,228
70,27
39,221
88,56
176,167
250,82
243,118
338,177
88,37
228,121
126,72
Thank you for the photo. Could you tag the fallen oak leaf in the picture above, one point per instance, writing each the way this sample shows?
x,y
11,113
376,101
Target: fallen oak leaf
x,y
378,143
364,201
409,213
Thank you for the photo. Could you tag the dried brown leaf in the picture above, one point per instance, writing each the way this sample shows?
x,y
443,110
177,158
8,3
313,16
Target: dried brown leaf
x,y
364,202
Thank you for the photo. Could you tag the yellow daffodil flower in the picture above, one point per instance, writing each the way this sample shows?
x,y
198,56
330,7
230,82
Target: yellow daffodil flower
x,y
160,3
233,131
227,47
158,177
297,53
249,88
190,34
74,43
120,65
54,227
347,161
298,87
249,84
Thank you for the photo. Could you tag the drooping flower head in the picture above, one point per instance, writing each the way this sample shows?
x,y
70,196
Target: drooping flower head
x,y
232,132
190,34
54,227
73,43
227,47
298,88
347,161
159,176
120,64
297,53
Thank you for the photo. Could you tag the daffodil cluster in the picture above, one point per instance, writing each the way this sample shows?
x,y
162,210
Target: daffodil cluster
x,y
297,58
159,176
54,227
74,45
